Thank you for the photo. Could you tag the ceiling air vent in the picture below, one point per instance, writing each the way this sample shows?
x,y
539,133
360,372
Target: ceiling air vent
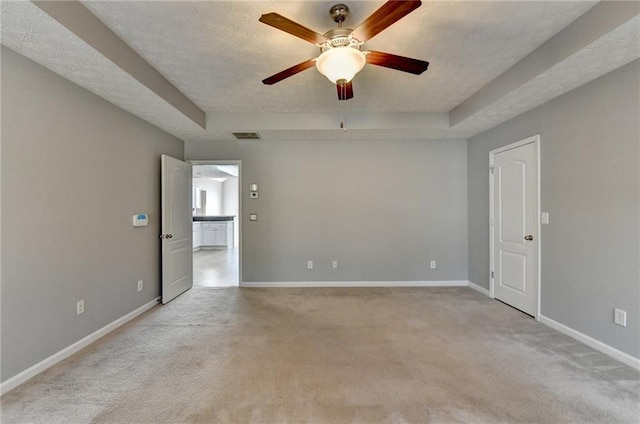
x,y
246,135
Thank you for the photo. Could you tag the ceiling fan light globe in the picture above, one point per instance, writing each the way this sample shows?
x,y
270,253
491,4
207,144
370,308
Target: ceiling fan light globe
x,y
340,63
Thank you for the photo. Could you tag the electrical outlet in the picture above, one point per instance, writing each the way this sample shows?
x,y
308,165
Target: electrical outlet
x,y
334,264
433,264
140,285
620,317
80,307
309,264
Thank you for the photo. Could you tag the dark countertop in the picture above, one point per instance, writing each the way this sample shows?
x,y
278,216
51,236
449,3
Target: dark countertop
x,y
214,218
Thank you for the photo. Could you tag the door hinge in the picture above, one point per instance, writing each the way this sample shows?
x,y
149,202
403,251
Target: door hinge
x,y
491,274
491,169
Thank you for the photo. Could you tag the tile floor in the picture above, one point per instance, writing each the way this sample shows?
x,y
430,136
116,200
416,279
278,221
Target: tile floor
x,y
216,267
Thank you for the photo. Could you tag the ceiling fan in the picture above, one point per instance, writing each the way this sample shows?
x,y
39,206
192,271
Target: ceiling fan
x,y
341,55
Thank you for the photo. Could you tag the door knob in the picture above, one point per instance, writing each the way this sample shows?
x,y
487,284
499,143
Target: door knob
x,y
529,237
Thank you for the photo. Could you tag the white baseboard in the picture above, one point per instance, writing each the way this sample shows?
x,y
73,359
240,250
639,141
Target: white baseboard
x,y
15,381
625,358
301,284
479,289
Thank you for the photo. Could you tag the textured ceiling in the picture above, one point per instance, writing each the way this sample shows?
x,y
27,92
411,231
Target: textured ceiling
x,y
216,53
29,31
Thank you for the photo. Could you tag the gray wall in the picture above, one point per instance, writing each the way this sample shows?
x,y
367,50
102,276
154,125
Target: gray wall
x,y
382,209
74,171
590,163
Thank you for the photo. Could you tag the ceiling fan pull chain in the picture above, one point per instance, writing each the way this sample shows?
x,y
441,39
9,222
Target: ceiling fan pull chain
x,y
343,123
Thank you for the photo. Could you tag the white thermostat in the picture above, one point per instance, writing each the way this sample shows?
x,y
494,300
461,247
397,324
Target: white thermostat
x,y
140,220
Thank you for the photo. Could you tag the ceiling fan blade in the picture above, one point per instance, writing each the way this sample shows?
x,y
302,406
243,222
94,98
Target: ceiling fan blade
x,y
400,63
287,25
390,12
289,72
345,91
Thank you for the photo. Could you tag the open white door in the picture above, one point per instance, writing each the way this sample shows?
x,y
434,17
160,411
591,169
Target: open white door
x,y
177,250
514,220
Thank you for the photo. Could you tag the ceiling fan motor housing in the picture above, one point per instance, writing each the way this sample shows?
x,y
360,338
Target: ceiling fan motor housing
x,y
339,37
339,13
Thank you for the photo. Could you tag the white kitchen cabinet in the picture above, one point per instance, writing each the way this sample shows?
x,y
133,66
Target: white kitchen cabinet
x,y
197,235
208,234
230,235
221,234
215,234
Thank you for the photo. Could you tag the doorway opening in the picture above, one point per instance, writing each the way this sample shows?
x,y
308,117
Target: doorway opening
x,y
216,223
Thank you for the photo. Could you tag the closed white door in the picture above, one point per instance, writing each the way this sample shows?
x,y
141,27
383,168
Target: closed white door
x,y
514,227
177,228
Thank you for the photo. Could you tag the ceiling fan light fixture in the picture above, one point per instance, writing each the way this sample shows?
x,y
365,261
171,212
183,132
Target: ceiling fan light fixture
x,y
340,63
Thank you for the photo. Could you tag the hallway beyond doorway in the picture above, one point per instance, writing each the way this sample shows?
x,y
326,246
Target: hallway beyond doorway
x,y
215,267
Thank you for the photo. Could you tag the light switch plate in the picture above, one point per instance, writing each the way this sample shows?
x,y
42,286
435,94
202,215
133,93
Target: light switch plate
x,y
253,217
253,187
544,218
620,317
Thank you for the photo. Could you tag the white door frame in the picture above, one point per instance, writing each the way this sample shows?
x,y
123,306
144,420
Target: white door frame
x,y
240,215
536,142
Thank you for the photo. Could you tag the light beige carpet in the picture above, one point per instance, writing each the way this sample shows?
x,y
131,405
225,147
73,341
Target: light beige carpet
x,y
364,355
